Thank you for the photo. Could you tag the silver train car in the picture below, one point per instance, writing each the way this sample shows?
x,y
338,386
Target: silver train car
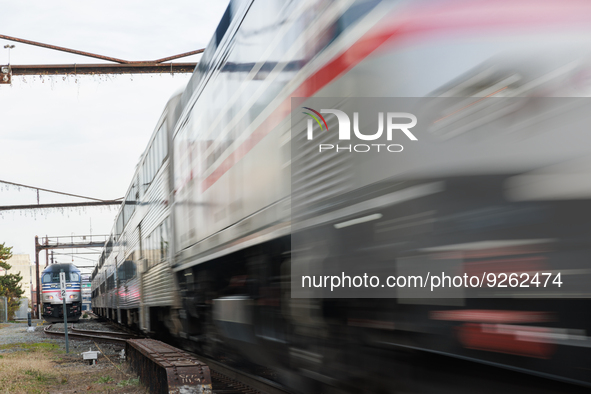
x,y
132,279
222,283
53,307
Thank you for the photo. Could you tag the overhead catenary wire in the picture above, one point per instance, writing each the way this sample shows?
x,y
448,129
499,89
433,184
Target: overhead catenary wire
x,y
56,192
78,257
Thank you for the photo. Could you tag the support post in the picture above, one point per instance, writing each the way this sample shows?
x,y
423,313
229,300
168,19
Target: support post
x,y
38,314
63,293
46,251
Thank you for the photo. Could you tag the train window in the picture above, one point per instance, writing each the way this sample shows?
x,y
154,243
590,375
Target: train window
x,y
130,204
108,249
146,249
155,245
157,152
163,143
54,277
119,226
223,25
126,271
164,240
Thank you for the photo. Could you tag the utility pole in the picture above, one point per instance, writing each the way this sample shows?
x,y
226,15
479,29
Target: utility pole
x,y
31,284
46,252
37,249
65,309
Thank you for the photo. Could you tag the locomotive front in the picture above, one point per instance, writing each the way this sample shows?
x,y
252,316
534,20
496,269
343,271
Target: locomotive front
x,y
53,310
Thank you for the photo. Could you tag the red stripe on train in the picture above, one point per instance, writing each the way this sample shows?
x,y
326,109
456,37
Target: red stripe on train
x,y
456,17
492,316
492,338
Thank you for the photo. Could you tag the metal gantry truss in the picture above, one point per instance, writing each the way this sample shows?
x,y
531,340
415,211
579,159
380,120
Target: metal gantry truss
x,y
117,66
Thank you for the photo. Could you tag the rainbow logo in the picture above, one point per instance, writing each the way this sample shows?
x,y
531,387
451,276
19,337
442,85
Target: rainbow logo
x,y
315,118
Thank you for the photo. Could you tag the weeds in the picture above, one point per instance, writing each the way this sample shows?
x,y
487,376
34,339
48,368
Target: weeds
x,y
41,346
104,379
32,347
26,372
40,376
129,382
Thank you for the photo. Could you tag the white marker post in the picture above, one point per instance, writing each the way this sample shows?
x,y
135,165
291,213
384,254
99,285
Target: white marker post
x,y
63,293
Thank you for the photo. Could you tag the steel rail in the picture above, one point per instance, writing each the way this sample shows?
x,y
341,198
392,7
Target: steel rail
x,y
73,335
253,382
232,380
109,333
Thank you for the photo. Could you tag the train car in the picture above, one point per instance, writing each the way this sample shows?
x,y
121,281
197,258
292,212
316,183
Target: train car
x,y
233,196
461,198
132,283
53,310
86,294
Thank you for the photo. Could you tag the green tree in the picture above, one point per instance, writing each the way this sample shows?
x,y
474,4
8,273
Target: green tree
x,y
9,283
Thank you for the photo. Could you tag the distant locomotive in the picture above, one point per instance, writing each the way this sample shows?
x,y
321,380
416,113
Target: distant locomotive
x,y
53,309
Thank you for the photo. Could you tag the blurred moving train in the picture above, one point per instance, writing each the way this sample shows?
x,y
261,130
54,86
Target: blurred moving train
x,y
201,249
53,305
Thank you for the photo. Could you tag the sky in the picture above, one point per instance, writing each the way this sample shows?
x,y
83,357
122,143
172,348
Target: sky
x,y
84,135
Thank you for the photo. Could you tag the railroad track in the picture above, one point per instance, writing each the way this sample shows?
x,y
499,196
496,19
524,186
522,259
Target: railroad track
x,y
164,368
118,338
224,379
228,380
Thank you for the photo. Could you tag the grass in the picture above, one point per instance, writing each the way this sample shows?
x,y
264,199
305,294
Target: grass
x,y
32,347
104,379
26,372
47,346
40,376
39,368
129,382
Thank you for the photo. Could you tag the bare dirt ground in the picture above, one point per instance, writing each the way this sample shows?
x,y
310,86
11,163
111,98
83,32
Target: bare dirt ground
x,y
33,363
